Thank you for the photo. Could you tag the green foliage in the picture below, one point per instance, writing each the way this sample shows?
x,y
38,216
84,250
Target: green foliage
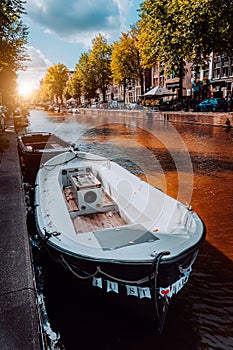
x,y
13,34
169,32
54,83
93,70
74,86
84,74
124,59
13,38
125,62
99,63
7,87
172,31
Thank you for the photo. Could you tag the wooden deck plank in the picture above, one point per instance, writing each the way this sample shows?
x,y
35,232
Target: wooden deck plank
x,y
70,201
98,221
80,225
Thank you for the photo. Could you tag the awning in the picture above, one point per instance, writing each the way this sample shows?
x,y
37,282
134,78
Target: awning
x,y
173,85
71,100
218,81
159,91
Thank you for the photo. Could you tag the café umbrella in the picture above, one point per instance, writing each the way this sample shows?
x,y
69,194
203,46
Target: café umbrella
x,y
158,91
71,100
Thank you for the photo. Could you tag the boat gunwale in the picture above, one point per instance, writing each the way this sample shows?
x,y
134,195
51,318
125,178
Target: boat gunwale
x,y
175,256
165,259
21,142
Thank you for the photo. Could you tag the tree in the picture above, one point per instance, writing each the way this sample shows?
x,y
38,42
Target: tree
x,y
86,76
13,38
174,31
211,27
99,63
54,82
13,34
8,89
74,86
125,64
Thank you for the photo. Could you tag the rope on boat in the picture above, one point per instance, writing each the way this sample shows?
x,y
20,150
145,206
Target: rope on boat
x,y
47,236
155,268
98,270
185,269
51,167
63,260
91,159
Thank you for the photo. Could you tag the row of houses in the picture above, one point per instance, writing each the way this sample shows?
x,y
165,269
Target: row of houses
x,y
215,79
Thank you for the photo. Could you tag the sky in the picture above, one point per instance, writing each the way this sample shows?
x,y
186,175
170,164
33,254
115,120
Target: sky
x,y
61,30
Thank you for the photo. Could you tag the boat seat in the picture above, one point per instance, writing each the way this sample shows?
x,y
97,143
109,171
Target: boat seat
x,y
104,209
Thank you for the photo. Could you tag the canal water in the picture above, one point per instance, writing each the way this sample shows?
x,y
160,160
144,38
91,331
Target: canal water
x,y
193,163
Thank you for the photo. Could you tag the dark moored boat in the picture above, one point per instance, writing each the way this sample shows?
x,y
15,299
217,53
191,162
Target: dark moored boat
x,y
105,224
37,148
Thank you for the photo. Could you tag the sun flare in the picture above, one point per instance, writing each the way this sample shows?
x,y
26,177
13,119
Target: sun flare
x,y
25,88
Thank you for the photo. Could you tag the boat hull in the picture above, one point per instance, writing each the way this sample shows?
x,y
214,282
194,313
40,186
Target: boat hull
x,y
35,148
153,284
148,254
169,271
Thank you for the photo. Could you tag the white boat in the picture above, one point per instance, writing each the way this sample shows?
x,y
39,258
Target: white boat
x,y
74,110
105,224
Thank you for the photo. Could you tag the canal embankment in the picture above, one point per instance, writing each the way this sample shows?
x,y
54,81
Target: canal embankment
x,y
199,118
19,323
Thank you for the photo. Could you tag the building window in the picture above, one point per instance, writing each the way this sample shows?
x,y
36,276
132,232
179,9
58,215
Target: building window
x,y
217,73
231,72
225,71
226,61
206,74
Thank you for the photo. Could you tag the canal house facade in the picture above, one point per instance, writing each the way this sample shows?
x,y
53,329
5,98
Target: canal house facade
x,y
214,79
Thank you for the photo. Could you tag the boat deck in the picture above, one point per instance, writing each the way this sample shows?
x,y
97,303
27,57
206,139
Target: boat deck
x,y
95,221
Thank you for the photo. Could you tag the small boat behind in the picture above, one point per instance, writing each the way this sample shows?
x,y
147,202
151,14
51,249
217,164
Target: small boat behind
x,y
73,110
106,225
38,147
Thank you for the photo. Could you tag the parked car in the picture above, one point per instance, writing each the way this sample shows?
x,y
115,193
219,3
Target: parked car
x,y
113,104
132,105
230,103
94,105
212,104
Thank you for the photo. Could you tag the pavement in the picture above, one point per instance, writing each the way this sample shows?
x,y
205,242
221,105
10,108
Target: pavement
x,y
19,325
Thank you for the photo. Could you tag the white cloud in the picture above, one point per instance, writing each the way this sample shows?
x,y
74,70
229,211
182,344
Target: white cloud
x,y
77,20
72,22
124,7
35,68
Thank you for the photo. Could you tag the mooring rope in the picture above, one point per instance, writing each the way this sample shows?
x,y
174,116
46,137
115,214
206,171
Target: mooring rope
x,y
98,270
185,269
63,260
155,268
50,167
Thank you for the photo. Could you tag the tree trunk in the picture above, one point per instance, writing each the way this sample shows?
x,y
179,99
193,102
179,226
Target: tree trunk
x,y
181,75
141,78
104,94
124,84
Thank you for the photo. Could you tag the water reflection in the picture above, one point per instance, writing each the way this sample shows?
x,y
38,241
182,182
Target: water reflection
x,y
201,316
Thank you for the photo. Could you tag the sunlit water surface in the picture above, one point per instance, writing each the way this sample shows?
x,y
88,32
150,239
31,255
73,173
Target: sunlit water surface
x,y
193,163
